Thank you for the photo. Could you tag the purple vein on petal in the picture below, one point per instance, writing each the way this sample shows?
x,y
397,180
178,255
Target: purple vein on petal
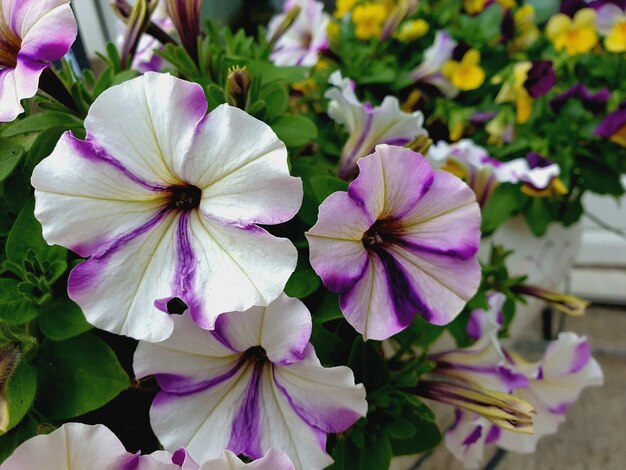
x,y
86,274
90,150
184,279
245,437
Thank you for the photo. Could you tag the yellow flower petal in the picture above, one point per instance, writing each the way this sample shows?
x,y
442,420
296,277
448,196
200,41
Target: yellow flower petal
x,y
616,40
585,19
449,69
468,78
558,25
524,108
471,57
581,41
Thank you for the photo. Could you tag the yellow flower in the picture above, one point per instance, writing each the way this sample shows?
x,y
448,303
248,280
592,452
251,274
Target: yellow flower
x,y
555,188
616,40
333,30
369,19
524,19
411,30
576,36
476,6
467,74
513,91
344,7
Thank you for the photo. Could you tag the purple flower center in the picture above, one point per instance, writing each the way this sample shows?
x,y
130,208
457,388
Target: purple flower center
x,y
383,232
183,198
256,354
10,45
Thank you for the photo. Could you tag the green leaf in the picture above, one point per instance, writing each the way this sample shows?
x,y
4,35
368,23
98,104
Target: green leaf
x,y
400,428
302,283
294,130
377,453
41,122
14,308
77,376
427,434
10,155
26,235
324,186
368,366
42,147
538,216
503,203
62,319
329,309
20,392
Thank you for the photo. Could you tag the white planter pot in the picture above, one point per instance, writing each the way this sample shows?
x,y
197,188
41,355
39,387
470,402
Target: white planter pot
x,y
546,261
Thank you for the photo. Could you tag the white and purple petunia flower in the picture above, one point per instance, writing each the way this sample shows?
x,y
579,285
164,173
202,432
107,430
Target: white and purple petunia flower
x,y
468,436
253,383
305,38
33,33
367,125
77,446
555,383
484,362
165,201
435,57
402,241
484,174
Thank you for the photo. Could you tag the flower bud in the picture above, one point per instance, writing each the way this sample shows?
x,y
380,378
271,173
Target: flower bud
x,y
420,144
137,24
288,21
186,17
237,86
569,304
8,360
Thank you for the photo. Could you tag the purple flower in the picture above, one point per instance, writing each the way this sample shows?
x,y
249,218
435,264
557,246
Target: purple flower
x,y
593,102
33,33
430,71
305,38
252,384
402,241
613,126
540,79
165,200
368,125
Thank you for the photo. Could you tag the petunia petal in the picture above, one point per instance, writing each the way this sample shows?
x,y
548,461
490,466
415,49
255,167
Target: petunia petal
x,y
377,186
335,242
117,295
10,106
148,124
98,198
274,459
325,398
446,220
241,167
283,329
233,268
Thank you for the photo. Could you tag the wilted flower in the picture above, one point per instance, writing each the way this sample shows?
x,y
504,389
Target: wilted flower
x,y
77,446
555,382
304,38
252,384
435,57
402,241
33,34
166,200
592,102
465,74
613,127
611,23
577,35
368,125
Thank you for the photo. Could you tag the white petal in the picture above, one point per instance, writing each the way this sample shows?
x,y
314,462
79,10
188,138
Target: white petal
x,y
84,200
241,167
283,329
148,124
117,289
274,459
73,446
235,268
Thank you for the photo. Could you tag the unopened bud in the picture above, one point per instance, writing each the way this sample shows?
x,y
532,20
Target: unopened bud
x,y
237,86
568,304
9,356
403,10
420,144
283,27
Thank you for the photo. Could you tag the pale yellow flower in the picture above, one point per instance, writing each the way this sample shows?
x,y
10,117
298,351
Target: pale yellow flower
x,y
513,91
577,35
412,30
368,20
467,74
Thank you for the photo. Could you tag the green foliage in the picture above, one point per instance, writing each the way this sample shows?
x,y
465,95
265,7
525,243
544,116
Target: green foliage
x,y
78,375
20,391
10,155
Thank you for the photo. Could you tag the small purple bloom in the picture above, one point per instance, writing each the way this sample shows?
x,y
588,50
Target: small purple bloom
x,y
540,79
33,33
401,242
593,102
614,126
252,384
435,57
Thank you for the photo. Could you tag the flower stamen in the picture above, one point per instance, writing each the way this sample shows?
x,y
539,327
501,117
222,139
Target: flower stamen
x,y
10,45
184,198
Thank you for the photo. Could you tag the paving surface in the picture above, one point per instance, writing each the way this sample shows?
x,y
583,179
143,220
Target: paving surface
x,y
594,436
